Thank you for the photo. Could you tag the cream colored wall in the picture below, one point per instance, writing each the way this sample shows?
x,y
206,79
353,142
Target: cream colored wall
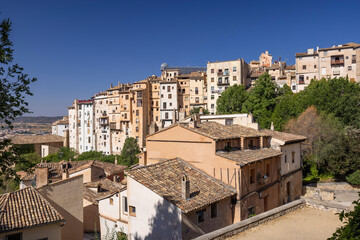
x,y
86,173
91,217
287,151
67,198
310,72
50,232
155,217
224,218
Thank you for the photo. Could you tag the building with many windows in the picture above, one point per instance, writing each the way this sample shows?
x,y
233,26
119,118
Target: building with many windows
x,y
221,75
336,61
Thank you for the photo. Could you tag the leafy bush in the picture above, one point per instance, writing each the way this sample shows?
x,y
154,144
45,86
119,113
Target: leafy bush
x,y
354,178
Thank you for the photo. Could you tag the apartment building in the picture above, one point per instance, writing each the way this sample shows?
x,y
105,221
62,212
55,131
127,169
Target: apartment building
x,y
336,61
221,75
102,128
169,72
60,127
198,90
168,102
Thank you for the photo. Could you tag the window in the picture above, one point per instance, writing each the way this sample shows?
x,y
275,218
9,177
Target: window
x,y
251,211
219,80
169,96
168,89
301,79
132,211
166,115
212,97
229,121
268,170
314,66
200,216
252,176
323,59
164,105
197,100
111,201
89,139
234,69
162,95
186,98
163,87
212,70
212,79
156,118
170,104
293,157
304,66
234,78
137,129
125,204
137,112
16,236
139,103
212,88
323,71
196,90
212,106
214,210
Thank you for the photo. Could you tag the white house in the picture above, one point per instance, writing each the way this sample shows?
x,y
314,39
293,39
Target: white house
x,y
86,118
168,102
60,126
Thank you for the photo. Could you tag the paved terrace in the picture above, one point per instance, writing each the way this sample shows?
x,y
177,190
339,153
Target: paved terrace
x,y
302,224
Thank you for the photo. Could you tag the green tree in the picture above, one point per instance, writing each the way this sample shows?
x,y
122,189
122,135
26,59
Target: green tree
x,y
351,221
231,100
30,161
129,152
197,110
64,153
262,100
90,155
14,87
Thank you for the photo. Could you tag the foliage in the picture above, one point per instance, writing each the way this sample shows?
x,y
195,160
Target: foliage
x,y
197,110
14,86
231,100
129,152
351,220
90,155
354,178
65,153
30,160
262,100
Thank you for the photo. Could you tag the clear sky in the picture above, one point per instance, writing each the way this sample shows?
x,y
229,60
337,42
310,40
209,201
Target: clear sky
x,y
78,48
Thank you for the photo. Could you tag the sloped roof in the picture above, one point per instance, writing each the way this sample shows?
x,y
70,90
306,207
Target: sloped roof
x,y
249,156
220,131
109,168
285,137
165,178
107,187
33,139
346,45
25,208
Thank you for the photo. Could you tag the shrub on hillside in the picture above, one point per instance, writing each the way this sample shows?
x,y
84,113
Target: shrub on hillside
x,y
354,178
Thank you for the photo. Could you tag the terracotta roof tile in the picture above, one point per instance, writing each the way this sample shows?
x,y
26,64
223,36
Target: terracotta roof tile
x,y
220,131
164,179
249,156
107,188
32,139
25,208
283,136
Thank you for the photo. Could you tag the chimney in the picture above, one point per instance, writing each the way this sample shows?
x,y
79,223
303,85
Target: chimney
x,y
65,174
111,85
185,188
193,122
42,176
272,126
116,162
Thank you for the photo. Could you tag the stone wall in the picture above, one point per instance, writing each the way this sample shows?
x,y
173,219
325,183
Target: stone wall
x,y
253,221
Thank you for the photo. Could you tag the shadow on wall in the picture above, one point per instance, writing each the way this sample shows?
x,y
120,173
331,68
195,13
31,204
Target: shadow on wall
x,y
166,224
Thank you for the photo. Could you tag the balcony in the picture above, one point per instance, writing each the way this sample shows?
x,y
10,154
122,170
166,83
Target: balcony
x,y
114,126
217,91
226,73
337,60
104,121
223,83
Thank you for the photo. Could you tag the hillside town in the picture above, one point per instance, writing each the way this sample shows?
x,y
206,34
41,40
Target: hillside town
x,y
198,174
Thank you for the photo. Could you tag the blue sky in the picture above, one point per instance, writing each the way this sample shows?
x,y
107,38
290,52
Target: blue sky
x,y
77,48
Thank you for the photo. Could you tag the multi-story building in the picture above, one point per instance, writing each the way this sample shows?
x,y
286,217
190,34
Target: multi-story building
x,y
198,90
336,61
168,102
60,127
86,128
221,75
102,128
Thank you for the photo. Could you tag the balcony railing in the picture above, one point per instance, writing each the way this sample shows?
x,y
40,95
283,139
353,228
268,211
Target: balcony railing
x,y
217,91
337,62
223,83
223,73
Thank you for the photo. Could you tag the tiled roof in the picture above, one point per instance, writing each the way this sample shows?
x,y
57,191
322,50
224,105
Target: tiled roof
x,y
249,156
64,121
305,54
290,67
164,179
346,45
33,139
74,166
220,131
25,208
107,188
283,136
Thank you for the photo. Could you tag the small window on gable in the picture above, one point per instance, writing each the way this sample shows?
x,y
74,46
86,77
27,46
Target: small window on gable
x,y
111,201
214,210
132,211
201,216
293,157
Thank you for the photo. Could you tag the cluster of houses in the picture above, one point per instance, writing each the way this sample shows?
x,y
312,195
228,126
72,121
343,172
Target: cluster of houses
x,y
195,176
